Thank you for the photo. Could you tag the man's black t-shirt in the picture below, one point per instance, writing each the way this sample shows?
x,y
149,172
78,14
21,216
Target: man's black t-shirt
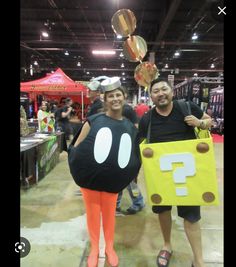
x,y
168,128
58,115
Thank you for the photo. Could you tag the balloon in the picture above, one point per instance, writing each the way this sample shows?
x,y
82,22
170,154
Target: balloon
x,y
123,22
145,73
135,48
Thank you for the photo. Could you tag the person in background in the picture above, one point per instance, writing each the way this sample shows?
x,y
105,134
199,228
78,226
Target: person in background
x,y
141,108
133,189
53,106
24,128
169,124
96,105
31,109
46,120
103,161
63,119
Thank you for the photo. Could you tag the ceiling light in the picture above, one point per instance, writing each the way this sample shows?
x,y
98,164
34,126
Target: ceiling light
x,y
104,68
177,53
122,65
212,65
166,66
45,34
87,72
67,53
104,52
195,36
31,70
123,73
119,36
123,78
195,74
78,64
121,54
36,63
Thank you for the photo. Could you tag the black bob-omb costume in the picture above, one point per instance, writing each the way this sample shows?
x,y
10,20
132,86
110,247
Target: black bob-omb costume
x,y
108,158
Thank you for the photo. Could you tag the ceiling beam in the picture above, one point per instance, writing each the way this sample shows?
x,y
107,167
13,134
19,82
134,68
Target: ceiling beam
x,y
169,17
90,41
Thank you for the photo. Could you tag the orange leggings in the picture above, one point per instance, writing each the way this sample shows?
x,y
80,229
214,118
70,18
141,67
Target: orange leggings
x,y
100,203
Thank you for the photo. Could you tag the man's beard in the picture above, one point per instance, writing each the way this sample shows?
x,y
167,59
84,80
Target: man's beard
x,y
162,105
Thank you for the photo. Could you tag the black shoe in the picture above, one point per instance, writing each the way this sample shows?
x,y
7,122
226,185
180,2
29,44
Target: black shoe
x,y
119,212
131,211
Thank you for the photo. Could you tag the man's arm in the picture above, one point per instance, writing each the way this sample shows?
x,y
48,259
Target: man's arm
x,y
204,123
65,114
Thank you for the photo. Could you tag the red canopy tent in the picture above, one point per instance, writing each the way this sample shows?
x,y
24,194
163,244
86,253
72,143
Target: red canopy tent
x,y
56,84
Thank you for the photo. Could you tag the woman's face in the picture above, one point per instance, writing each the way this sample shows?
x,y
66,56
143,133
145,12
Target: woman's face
x,y
114,100
44,107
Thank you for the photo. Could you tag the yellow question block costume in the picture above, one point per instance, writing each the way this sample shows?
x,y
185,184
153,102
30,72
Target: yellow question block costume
x,y
180,172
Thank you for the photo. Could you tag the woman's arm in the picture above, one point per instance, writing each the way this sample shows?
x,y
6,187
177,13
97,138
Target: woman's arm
x,y
84,132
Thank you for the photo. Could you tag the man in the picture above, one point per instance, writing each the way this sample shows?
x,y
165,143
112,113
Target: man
x,y
133,189
94,96
169,124
63,120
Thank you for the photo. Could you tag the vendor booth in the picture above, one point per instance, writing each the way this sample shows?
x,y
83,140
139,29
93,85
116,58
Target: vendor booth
x,y
39,154
57,86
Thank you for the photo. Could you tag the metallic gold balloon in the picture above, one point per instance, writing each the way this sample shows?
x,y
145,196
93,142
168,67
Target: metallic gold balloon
x,y
135,48
145,73
123,22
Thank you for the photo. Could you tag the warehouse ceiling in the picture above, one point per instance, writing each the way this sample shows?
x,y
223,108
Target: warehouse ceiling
x,y
79,27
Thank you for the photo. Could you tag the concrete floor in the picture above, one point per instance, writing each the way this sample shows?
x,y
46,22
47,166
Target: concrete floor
x,y
53,220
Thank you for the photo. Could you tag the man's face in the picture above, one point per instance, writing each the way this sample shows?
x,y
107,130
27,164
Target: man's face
x,y
161,94
93,94
69,103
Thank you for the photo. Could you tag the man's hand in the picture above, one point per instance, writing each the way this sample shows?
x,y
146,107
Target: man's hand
x,y
192,121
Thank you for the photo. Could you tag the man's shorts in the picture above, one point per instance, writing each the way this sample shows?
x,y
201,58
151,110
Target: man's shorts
x,y
189,213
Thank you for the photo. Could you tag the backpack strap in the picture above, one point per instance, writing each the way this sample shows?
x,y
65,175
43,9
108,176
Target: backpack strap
x,y
149,126
185,107
186,110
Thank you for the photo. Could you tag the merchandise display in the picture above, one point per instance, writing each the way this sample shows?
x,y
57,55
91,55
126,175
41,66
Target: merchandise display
x,y
39,155
208,93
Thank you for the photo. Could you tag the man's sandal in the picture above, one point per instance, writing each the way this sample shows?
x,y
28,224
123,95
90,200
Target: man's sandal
x,y
164,255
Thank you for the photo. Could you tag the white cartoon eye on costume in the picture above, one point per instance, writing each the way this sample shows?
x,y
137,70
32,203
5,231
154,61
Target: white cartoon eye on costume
x,y
103,143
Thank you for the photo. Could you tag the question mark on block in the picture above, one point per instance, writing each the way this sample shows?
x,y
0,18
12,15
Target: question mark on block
x,y
179,173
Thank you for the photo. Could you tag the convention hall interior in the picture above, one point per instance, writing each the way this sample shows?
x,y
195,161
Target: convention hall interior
x,y
66,44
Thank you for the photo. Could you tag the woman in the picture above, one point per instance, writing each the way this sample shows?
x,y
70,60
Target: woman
x,y
103,161
46,120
